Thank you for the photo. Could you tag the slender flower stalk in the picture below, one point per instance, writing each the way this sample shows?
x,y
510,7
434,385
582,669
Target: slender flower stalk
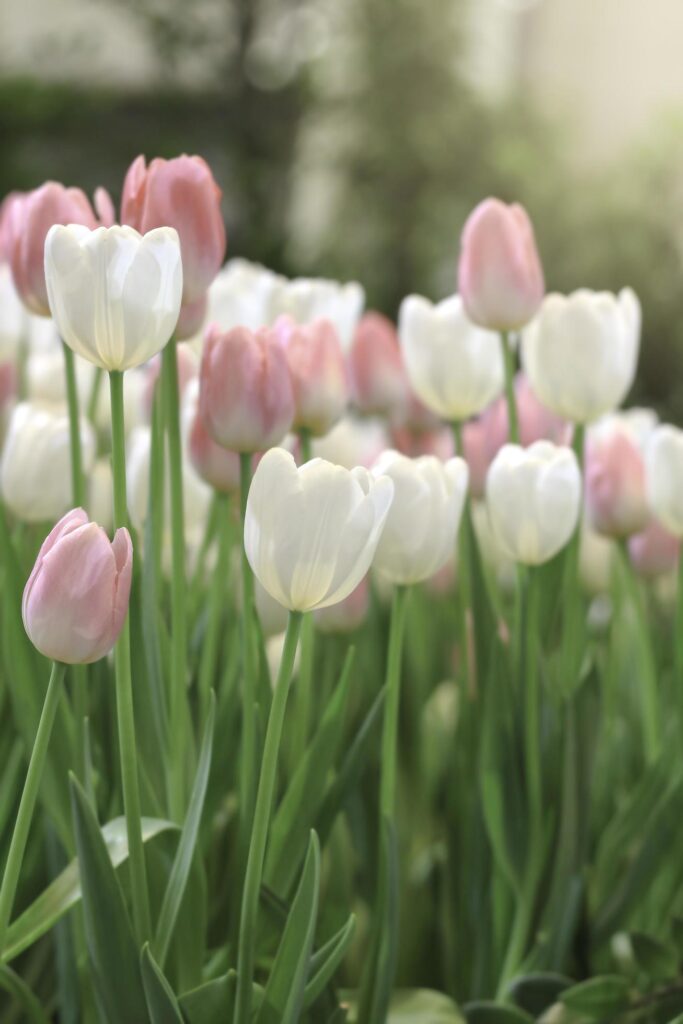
x,y
124,688
510,399
464,553
217,595
29,796
392,703
77,481
257,847
247,775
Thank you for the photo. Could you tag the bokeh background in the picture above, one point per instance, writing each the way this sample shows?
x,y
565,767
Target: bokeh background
x,y
351,137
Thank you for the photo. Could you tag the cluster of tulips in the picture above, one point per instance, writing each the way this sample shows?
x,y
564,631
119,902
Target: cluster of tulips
x,y
280,469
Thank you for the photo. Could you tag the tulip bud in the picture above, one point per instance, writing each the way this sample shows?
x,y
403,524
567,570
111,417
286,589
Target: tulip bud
x,y
533,497
217,465
311,532
35,474
419,534
378,378
454,367
114,294
180,193
580,352
615,478
101,493
664,477
245,390
244,295
318,372
192,319
308,299
500,276
13,324
352,442
596,561
654,551
45,379
76,598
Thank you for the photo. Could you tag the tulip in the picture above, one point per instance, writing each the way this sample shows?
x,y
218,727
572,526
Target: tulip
x,y
349,614
311,533
192,319
45,379
533,497
181,193
378,378
352,442
35,470
215,464
13,324
596,560
500,276
9,209
615,478
580,352
101,494
454,367
245,395
318,372
664,477
244,295
419,534
76,598
308,299
654,551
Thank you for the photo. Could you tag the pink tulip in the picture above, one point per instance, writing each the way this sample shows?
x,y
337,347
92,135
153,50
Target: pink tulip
x,y
76,598
179,193
8,385
192,318
30,218
615,483
378,378
217,465
414,443
479,451
8,210
316,364
245,390
654,551
500,277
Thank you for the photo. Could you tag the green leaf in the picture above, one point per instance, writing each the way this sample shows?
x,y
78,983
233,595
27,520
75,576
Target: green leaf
x,y
109,937
283,998
677,934
598,997
485,1012
378,977
23,996
161,1002
536,992
326,961
177,880
654,958
65,892
210,1002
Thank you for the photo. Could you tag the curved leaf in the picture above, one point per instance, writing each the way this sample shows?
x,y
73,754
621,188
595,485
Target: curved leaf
x,y
161,1002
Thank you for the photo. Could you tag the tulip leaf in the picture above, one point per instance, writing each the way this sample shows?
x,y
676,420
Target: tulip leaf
x,y
536,992
109,937
23,996
604,996
161,1001
379,970
326,961
284,994
654,958
212,1001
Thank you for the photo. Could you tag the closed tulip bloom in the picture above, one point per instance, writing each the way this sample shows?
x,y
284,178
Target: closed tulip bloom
x,y
192,319
615,479
114,294
76,598
180,193
533,496
500,276
307,299
379,384
664,477
311,532
244,294
654,551
353,442
318,371
217,465
196,493
419,534
13,320
581,351
454,367
245,392
35,473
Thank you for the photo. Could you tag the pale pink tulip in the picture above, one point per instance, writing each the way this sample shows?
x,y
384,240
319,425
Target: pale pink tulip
x,y
217,465
192,318
500,277
318,371
615,483
654,550
76,598
379,384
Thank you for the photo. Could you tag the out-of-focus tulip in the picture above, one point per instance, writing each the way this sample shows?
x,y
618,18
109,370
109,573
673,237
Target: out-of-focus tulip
x,y
192,319
353,442
13,323
33,214
498,560
76,598
307,299
114,294
347,615
664,477
245,394
615,478
244,294
182,194
419,534
596,556
500,276
35,474
310,533
654,551
379,384
318,371
45,379
272,615
533,496
8,211
101,493
581,351
217,465
454,367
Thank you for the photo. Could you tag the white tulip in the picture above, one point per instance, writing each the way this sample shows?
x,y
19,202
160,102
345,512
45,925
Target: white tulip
x,y
35,475
114,294
310,533
419,534
101,494
13,317
196,494
455,367
664,476
307,299
580,353
244,294
533,496
353,442
46,380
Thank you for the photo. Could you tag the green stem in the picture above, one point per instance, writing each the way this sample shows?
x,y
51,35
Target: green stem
x,y
249,666
652,728
94,397
178,699
572,642
678,639
391,705
257,847
463,541
217,596
28,798
124,688
509,365
77,482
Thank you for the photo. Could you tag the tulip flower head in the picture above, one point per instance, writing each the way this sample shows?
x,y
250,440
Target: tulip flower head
x,y
217,465
500,277
76,598
307,299
311,532
419,534
114,294
654,551
664,477
379,384
533,496
454,367
318,371
244,294
615,479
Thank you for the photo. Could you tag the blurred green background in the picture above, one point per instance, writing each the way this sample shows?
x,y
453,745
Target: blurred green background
x,y
351,138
